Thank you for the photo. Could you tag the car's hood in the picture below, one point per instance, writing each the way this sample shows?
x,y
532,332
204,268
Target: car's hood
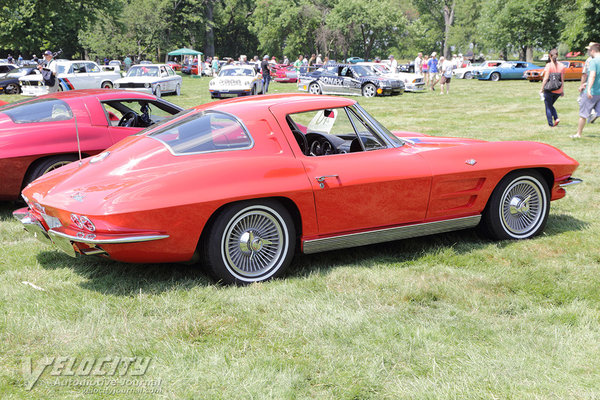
x,y
425,143
32,77
138,79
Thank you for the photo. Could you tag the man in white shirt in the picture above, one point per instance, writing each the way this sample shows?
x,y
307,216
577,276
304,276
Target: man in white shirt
x,y
419,64
49,64
393,64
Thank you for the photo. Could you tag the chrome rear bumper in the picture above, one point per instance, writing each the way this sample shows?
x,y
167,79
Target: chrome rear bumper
x,y
66,239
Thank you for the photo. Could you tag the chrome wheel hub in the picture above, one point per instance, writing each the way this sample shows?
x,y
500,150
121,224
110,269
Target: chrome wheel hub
x,y
523,207
254,243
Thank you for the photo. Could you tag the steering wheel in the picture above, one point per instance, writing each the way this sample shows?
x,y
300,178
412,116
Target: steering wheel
x,y
129,119
322,147
302,141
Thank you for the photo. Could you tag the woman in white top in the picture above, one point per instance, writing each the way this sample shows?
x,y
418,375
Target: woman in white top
x,y
446,70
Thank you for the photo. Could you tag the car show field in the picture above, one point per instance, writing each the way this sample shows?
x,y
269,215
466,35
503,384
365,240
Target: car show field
x,y
444,316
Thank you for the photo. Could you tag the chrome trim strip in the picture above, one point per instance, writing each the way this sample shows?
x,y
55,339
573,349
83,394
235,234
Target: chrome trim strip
x,y
125,239
388,234
571,181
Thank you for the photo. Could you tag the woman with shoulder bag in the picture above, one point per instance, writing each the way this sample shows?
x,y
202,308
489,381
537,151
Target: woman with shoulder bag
x,y
552,86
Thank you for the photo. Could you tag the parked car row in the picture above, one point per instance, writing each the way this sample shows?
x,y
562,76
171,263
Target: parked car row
x,y
496,70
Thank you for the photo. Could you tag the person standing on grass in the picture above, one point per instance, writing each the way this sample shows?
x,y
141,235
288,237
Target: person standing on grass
x,y
419,64
393,64
446,69
425,70
552,86
591,101
432,65
266,73
298,63
584,77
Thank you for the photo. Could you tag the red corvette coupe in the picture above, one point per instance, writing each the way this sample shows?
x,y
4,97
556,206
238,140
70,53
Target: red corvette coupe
x,y
243,183
41,134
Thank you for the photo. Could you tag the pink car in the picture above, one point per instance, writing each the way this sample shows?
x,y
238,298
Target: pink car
x,y
40,134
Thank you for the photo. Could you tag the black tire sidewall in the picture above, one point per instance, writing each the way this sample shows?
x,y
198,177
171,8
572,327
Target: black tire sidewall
x,y
492,225
212,244
43,165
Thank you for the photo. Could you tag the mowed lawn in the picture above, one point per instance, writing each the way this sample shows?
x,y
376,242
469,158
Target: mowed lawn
x,y
446,316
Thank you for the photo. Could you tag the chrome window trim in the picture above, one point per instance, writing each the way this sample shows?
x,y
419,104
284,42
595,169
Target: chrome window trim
x,y
239,121
377,125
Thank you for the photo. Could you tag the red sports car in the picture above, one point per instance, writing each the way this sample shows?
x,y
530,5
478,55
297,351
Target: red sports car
x,y
175,66
243,183
41,134
284,73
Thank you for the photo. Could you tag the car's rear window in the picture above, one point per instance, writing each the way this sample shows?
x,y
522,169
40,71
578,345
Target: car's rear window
x,y
208,131
39,110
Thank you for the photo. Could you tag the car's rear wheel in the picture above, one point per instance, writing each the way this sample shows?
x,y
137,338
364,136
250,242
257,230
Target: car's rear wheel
x,y
106,85
314,88
468,75
49,164
251,241
495,76
12,88
369,90
518,207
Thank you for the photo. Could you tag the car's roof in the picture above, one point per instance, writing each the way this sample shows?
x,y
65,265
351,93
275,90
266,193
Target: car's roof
x,y
249,107
239,66
102,94
149,65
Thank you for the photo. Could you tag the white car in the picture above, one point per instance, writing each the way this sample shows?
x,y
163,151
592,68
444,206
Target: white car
x,y
157,79
72,75
236,80
5,68
412,82
467,72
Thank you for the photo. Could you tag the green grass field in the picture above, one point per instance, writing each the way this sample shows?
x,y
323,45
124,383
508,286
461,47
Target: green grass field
x,y
449,316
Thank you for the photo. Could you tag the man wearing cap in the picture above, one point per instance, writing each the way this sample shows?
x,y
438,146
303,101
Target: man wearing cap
x,y
591,92
434,75
393,64
48,70
265,70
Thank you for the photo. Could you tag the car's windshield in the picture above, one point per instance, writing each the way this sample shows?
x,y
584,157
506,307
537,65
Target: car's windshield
x,y
15,73
38,110
237,72
361,71
143,71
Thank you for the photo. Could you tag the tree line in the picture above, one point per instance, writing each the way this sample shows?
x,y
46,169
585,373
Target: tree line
x,y
334,28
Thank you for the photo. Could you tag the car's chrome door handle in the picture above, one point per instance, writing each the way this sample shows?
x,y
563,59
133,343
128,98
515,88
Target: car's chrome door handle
x,y
321,179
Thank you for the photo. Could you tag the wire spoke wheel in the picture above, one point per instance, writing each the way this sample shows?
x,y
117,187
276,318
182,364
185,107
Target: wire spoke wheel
x,y
251,242
521,207
518,207
56,165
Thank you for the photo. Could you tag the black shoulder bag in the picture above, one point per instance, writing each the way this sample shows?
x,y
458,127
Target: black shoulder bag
x,y
554,82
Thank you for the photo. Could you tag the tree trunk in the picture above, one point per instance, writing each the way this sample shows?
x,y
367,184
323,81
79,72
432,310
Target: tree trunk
x,y
209,47
448,21
529,54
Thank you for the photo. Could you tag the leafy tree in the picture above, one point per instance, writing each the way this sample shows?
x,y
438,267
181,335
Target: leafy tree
x,y
368,28
441,14
521,25
583,25
29,26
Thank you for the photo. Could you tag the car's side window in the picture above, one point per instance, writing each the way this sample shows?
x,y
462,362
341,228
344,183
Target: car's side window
x,y
91,67
333,131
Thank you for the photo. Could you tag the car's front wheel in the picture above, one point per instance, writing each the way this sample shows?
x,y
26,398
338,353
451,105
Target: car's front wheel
x,y
518,207
369,90
106,85
12,88
157,91
495,76
314,88
468,75
251,241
